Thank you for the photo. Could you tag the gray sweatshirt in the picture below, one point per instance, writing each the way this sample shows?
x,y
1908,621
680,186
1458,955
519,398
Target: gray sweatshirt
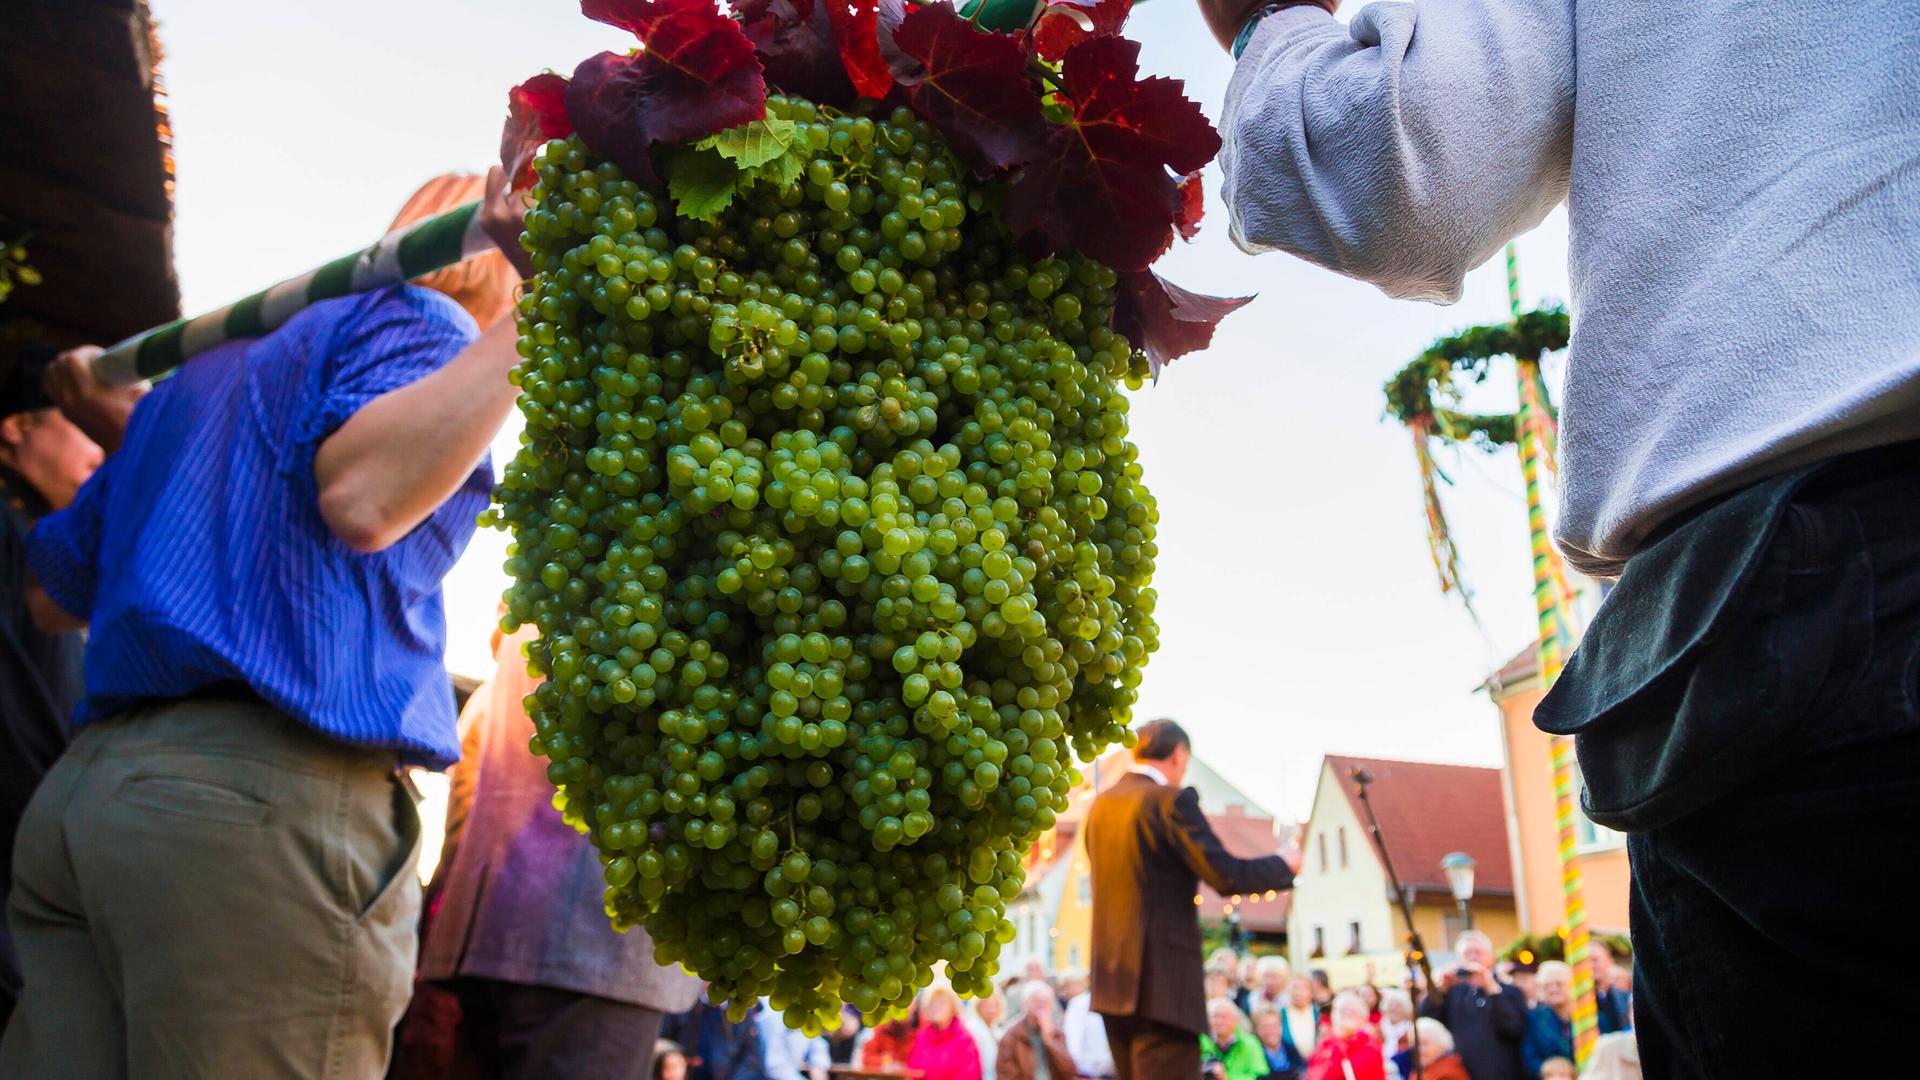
x,y
1743,183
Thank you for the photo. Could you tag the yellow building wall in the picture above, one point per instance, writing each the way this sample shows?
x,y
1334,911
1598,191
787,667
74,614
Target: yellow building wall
x,y
1386,966
1529,778
1493,917
1073,925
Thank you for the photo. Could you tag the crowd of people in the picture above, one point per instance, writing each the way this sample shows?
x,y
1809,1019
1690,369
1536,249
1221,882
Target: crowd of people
x,y
1032,1027
1485,1020
1265,1022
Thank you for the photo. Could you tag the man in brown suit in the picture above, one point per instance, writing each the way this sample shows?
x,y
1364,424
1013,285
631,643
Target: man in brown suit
x,y
1150,846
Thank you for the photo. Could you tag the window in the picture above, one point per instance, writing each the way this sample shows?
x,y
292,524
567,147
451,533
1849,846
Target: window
x,y
1451,928
1085,889
1073,956
1353,930
1343,847
1319,942
1586,834
1322,839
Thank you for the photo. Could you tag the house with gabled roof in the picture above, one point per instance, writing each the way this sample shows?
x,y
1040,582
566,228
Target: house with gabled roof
x,y
1344,917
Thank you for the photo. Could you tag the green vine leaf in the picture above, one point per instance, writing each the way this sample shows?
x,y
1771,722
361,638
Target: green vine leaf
x,y
702,183
752,144
788,168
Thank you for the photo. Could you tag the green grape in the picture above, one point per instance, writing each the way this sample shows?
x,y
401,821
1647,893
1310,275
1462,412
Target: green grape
x,y
838,551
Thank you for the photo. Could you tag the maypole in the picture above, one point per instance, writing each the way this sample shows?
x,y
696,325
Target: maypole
x,y
1551,604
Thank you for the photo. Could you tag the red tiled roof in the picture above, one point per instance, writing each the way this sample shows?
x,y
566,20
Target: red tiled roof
x,y
1251,837
1427,810
1524,665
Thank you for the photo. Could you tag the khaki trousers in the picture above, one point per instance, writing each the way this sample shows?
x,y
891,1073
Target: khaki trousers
x,y
207,888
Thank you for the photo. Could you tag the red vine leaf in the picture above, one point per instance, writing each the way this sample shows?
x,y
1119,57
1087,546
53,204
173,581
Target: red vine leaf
x,y
634,16
536,112
1102,185
1166,321
794,39
856,34
1066,23
1192,206
696,75
972,86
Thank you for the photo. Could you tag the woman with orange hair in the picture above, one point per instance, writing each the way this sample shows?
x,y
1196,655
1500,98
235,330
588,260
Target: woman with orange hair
x,y
483,285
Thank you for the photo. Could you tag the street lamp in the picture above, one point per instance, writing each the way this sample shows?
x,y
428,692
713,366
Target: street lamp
x,y
1458,866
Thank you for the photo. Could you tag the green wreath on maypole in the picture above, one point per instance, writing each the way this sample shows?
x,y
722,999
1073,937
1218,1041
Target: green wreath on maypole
x,y
1426,396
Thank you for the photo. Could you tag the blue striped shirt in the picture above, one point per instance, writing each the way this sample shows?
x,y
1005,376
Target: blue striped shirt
x,y
199,554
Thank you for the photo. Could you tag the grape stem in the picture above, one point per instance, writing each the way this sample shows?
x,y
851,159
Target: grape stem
x,y
1044,73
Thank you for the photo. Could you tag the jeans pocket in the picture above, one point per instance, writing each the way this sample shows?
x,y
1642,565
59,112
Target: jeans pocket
x,y
204,797
1780,651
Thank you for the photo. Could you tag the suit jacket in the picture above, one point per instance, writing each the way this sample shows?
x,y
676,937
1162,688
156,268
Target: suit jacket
x,y
1149,847
520,890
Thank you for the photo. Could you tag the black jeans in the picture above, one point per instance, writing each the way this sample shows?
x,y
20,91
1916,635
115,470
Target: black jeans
x,y
1746,708
512,1031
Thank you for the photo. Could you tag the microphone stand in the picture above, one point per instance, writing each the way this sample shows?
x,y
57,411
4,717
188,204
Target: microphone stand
x,y
1416,950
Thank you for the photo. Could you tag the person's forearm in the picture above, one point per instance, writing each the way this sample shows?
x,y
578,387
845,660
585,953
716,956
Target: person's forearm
x,y
1402,149
407,451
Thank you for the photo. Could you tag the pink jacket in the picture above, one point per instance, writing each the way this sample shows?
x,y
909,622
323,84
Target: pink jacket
x,y
945,1053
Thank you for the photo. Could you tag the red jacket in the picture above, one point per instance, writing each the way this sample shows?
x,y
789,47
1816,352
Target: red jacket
x,y
1358,1052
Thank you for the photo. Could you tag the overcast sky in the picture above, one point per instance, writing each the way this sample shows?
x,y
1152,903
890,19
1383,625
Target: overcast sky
x,y
1298,610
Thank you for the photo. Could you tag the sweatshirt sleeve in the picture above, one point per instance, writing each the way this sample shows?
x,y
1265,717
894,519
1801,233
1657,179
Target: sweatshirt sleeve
x,y
1405,148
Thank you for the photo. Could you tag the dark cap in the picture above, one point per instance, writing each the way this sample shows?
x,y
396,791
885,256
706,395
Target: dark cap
x,y
21,378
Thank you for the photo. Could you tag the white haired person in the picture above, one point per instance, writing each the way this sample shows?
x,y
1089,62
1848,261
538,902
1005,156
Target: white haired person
x,y
1035,1048
1271,974
1488,1017
1438,1059
1350,1050
1396,1028
1229,1051
1225,961
1550,1023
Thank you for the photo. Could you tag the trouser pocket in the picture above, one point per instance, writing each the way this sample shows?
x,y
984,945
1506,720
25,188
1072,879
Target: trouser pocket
x,y
1715,653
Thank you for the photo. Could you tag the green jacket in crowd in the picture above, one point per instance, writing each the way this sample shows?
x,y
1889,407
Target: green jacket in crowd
x,y
1244,1058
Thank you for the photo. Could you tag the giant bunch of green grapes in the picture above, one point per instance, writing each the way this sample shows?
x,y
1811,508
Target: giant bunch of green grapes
x,y
838,551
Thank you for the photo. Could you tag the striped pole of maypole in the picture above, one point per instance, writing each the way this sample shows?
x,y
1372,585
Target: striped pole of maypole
x,y
428,245
1548,604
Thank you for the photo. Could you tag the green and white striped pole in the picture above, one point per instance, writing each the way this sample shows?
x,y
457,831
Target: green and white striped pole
x,y
428,245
